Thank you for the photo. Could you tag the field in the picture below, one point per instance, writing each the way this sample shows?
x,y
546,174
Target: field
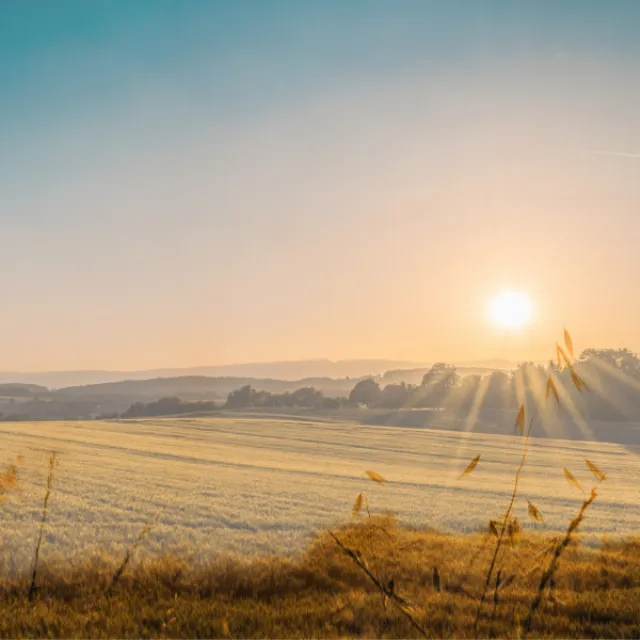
x,y
256,486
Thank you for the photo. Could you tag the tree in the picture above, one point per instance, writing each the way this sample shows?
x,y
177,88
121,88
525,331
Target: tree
x,y
442,374
241,398
499,392
167,406
366,392
622,359
436,384
307,397
397,396
469,393
332,403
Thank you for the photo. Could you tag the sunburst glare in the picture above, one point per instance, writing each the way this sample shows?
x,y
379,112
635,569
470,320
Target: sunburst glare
x,y
511,309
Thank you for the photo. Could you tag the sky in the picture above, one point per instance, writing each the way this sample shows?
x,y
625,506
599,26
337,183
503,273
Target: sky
x,y
195,183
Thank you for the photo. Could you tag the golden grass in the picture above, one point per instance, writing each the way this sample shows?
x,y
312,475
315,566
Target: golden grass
x,y
324,593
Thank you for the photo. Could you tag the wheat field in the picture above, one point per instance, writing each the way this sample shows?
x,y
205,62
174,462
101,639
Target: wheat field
x,y
265,485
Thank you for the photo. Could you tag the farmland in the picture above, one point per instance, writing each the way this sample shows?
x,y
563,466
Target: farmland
x,y
265,485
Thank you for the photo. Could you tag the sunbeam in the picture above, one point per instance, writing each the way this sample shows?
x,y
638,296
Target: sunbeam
x,y
469,423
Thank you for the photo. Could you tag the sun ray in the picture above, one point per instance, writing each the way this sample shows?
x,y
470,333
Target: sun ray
x,y
610,396
469,423
547,413
481,392
566,401
614,371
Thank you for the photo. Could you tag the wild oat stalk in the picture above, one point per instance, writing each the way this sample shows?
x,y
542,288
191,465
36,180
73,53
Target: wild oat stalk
x,y
505,521
547,576
387,592
144,532
496,598
370,536
45,511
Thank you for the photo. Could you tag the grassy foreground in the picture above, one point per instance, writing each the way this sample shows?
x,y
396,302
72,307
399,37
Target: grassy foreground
x,y
325,594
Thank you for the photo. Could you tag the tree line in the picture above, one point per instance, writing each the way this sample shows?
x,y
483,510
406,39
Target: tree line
x,y
166,407
611,375
245,397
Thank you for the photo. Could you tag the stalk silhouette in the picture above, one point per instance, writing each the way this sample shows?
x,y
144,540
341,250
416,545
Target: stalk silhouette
x,y
504,526
45,510
388,592
144,532
547,576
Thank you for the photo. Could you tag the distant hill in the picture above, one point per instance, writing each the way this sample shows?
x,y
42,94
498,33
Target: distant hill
x,y
492,363
22,402
87,394
17,390
199,387
286,370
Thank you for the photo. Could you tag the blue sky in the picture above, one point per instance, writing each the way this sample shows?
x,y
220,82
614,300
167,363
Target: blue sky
x,y
200,182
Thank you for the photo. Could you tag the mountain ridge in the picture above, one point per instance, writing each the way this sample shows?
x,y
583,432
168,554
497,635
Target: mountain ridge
x,y
286,370
282,370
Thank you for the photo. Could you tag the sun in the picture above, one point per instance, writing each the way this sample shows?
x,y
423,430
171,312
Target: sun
x,y
511,309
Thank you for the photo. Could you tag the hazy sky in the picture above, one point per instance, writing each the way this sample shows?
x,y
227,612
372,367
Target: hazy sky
x,y
189,183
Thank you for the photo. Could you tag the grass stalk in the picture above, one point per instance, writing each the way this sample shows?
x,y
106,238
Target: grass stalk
x,y
144,532
45,511
503,528
547,575
399,603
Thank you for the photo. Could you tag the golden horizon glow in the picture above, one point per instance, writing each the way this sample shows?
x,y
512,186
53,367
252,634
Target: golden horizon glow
x,y
511,309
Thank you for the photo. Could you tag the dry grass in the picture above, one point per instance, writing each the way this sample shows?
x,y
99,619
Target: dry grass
x,y
325,594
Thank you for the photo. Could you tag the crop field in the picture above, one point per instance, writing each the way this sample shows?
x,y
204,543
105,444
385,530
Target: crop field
x,y
263,485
